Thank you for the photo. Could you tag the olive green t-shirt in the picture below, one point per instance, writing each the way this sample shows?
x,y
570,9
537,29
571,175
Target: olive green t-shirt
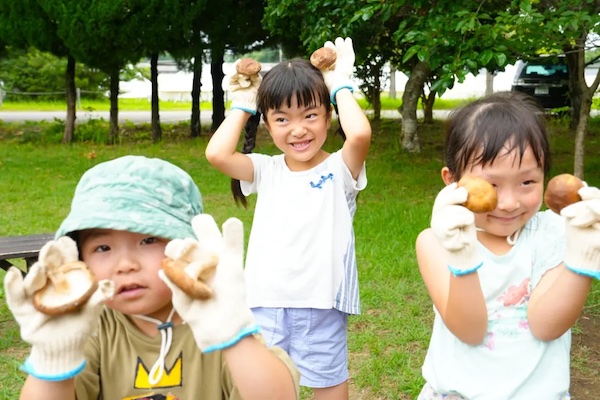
x,y
119,358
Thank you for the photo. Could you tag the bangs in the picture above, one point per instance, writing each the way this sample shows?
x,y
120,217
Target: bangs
x,y
295,79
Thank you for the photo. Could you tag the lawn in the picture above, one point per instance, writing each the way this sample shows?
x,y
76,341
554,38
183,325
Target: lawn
x,y
388,341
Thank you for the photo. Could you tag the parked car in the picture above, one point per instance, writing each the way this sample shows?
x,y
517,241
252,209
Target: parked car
x,y
546,79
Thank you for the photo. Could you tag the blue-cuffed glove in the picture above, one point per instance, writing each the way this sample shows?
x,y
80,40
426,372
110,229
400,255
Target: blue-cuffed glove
x,y
224,319
243,89
57,342
338,76
454,227
582,253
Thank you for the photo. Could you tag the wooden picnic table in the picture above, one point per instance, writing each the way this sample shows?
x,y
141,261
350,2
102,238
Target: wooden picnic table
x,y
21,248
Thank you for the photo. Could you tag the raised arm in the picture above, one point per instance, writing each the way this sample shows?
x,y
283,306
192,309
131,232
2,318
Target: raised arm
x,y
559,298
448,261
224,321
57,341
221,150
354,122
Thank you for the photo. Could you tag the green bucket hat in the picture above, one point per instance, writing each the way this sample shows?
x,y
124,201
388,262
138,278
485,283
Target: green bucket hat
x,y
137,194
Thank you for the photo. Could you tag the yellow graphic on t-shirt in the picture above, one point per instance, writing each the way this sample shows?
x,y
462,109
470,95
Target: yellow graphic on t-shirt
x,y
171,376
153,396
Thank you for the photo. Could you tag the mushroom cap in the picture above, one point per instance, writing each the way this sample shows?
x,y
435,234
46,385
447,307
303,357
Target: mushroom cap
x,y
561,191
197,288
248,66
68,288
323,58
482,196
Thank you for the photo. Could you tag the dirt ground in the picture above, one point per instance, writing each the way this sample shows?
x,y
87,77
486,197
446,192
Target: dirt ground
x,y
585,359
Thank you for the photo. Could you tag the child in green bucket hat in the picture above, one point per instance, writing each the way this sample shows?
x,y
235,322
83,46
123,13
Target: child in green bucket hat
x,y
139,336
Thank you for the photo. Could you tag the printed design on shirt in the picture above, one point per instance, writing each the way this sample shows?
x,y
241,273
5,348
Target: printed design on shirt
x,y
172,377
324,178
153,396
510,317
515,294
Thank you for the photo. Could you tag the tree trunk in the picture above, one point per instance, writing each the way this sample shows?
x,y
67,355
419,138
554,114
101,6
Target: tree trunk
x,y
408,110
156,129
195,124
71,95
218,100
576,68
376,93
428,102
392,82
580,133
113,133
584,117
489,82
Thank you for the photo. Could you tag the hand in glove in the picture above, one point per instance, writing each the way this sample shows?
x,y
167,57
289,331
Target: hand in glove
x,y
243,89
583,233
224,319
57,342
338,76
454,227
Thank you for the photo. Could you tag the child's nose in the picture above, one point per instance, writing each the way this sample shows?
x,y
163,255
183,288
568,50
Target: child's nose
x,y
508,200
298,131
127,264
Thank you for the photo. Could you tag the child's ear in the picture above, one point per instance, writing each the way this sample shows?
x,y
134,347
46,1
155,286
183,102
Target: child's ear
x,y
329,117
447,176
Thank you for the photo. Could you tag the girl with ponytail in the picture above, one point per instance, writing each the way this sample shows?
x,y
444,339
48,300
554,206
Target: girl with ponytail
x,y
301,273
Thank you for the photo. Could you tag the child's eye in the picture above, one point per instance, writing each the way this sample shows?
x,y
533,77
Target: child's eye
x,y
150,240
529,182
311,116
101,249
280,120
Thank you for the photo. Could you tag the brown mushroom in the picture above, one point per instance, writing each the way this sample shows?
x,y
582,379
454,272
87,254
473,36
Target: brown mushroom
x,y
248,67
561,191
323,58
482,196
69,287
195,288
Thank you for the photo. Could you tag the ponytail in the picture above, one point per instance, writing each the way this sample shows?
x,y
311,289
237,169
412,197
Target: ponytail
x,y
249,143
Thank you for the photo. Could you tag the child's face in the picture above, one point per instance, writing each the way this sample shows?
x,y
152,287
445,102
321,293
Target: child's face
x,y
131,261
520,189
299,132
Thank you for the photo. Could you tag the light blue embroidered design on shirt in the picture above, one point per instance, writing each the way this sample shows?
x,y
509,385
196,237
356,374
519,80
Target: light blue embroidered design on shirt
x,y
322,181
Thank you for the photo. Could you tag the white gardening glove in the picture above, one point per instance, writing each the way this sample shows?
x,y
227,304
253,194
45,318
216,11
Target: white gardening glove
x,y
454,227
243,89
57,342
225,318
338,75
582,253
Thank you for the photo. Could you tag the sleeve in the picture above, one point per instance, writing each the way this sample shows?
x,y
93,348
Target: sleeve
x,y
357,184
549,244
233,394
259,161
87,383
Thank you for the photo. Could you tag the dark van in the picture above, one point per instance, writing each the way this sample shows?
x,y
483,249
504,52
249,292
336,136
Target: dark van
x,y
546,79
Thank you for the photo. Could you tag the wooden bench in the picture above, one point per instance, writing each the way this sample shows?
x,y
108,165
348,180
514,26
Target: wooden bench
x,y
21,248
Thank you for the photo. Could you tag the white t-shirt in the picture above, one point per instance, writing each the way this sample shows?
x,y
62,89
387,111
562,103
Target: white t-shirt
x,y
511,363
301,249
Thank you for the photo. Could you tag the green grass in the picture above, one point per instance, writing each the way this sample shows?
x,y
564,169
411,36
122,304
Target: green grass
x,y
144,104
387,342
100,105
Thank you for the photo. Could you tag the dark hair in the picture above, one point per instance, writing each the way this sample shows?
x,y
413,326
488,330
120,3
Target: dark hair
x,y
478,132
296,77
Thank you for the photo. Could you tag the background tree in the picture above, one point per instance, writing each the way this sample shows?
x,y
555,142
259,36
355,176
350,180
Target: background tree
x,y
190,54
234,26
568,25
101,34
25,24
